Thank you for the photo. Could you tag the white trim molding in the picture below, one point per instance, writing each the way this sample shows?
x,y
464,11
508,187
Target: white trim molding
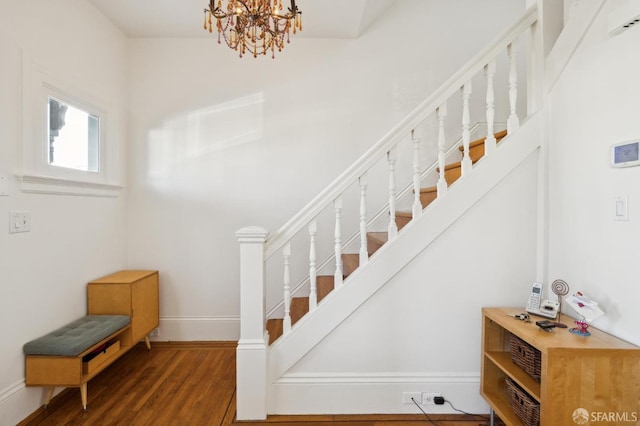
x,y
49,185
194,329
371,393
17,399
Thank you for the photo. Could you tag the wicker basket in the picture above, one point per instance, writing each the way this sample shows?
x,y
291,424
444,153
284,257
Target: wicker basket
x,y
525,407
525,356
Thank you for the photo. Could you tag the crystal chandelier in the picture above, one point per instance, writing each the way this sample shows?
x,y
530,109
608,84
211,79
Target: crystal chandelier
x,y
256,26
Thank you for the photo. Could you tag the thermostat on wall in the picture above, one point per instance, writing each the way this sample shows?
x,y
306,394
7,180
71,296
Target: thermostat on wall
x,y
625,154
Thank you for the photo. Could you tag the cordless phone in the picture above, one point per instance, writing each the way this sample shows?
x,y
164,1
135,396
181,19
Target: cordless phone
x,y
536,306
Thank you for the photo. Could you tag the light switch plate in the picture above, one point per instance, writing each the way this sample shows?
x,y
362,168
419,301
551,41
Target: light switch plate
x,y
19,222
621,208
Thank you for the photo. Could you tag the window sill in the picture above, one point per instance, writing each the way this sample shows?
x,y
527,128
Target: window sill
x,y
49,185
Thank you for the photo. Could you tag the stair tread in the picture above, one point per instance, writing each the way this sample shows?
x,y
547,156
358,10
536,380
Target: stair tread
x,y
428,189
380,236
498,135
451,166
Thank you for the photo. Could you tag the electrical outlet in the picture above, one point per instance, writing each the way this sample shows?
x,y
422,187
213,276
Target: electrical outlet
x,y
407,396
427,398
155,332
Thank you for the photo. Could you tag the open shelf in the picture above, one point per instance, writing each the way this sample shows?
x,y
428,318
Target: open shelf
x,y
504,362
502,408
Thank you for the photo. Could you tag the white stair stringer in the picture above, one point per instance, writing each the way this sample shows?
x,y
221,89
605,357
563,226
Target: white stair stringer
x,y
415,237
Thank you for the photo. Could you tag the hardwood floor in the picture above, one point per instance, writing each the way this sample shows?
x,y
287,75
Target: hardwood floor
x,y
188,384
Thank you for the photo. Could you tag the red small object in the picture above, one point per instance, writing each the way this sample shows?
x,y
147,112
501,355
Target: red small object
x,y
582,325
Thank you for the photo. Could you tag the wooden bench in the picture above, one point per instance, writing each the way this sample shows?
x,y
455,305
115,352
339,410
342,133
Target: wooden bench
x,y
75,353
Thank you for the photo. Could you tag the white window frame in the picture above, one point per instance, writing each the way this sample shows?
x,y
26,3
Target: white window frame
x,y
37,175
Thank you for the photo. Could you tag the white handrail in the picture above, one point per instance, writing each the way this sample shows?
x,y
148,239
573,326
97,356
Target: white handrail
x,y
401,130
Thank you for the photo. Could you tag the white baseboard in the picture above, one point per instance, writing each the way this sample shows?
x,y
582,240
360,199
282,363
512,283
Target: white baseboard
x,y
191,329
374,394
17,402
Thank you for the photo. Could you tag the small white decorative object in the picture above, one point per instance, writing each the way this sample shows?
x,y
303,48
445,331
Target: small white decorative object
x,y
585,307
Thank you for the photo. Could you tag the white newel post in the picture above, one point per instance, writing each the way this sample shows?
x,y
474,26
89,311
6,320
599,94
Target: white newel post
x,y
251,354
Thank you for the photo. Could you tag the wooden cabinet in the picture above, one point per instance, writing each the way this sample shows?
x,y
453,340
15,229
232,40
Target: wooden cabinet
x,y
132,293
599,374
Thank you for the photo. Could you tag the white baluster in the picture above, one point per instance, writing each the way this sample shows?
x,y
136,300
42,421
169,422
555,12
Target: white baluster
x,y
364,255
442,183
490,142
286,254
313,279
392,157
513,123
337,276
466,133
416,209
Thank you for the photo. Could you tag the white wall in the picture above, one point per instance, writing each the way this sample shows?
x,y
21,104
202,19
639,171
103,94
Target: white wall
x,y
592,106
72,239
218,143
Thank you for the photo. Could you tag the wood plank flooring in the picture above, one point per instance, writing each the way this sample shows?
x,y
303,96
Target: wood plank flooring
x,y
188,384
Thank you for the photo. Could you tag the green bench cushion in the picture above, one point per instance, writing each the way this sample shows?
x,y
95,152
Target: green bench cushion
x,y
77,336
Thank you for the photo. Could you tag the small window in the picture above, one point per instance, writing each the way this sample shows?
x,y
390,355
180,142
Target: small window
x,y
70,140
73,137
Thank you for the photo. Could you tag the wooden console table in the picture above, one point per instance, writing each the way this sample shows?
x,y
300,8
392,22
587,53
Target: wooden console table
x,y
599,374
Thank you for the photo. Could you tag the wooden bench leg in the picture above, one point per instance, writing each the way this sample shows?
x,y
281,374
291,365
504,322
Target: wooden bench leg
x,y
83,396
147,342
47,398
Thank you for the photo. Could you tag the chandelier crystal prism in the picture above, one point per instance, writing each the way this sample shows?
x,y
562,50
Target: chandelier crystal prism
x,y
254,26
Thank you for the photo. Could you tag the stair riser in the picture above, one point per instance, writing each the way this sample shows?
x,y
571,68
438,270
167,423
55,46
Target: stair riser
x,y
299,307
350,263
373,245
427,198
325,285
452,175
476,152
401,222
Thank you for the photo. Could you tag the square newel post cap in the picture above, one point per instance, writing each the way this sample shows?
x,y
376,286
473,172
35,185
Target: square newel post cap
x,y
252,234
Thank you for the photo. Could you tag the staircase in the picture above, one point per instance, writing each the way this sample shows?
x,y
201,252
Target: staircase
x,y
270,345
375,240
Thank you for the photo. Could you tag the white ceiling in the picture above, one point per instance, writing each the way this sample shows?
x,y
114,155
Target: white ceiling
x,y
184,18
